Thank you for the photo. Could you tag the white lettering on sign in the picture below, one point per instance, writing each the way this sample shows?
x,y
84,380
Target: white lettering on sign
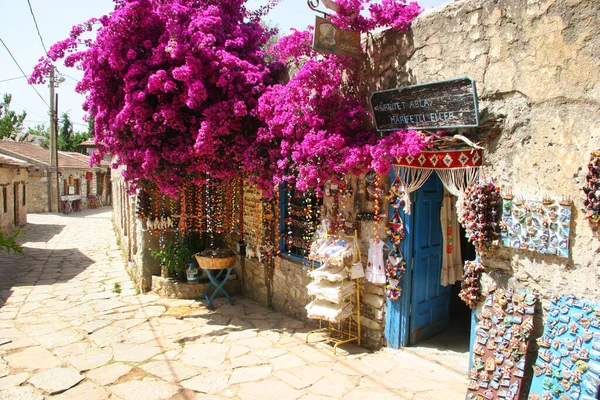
x,y
416,118
401,105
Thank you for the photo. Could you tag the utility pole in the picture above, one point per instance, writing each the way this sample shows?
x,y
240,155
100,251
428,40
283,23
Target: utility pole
x,y
56,150
53,147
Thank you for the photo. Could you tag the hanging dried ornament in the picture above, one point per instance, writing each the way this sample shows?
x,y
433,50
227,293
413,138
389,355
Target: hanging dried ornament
x,y
395,232
395,196
592,189
470,291
481,214
395,266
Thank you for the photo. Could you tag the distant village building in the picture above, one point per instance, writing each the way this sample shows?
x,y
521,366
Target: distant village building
x,y
13,193
79,184
89,147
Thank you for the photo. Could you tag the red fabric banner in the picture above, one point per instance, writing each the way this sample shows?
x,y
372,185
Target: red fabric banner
x,y
449,159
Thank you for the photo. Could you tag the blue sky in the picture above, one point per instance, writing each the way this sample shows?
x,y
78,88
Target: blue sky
x,y
55,19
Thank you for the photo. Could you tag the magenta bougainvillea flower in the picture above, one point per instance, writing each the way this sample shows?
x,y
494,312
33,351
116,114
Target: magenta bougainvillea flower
x,y
182,88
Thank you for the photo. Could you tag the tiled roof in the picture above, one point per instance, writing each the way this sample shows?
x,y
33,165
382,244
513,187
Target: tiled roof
x,y
83,157
12,162
38,155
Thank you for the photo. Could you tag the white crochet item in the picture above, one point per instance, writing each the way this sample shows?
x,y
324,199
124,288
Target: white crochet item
x,y
322,309
334,292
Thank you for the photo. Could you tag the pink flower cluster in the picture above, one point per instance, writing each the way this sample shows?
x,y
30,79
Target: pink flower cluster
x,y
182,88
395,14
317,124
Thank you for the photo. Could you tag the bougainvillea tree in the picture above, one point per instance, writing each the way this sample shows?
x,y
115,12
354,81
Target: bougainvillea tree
x,y
172,85
183,88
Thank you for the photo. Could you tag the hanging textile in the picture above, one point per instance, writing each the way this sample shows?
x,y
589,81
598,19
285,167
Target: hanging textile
x,y
457,169
412,179
452,266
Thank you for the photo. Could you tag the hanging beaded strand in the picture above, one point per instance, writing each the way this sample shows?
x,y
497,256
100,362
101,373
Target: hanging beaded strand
x,y
209,212
376,206
288,205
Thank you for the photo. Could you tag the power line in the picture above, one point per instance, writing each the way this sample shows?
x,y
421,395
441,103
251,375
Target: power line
x,y
36,26
13,79
24,75
69,76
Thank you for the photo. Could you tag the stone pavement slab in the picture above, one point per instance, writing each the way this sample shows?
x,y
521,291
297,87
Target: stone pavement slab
x,y
108,374
56,380
64,331
145,389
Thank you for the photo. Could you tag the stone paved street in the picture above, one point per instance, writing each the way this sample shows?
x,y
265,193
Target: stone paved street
x,y
65,333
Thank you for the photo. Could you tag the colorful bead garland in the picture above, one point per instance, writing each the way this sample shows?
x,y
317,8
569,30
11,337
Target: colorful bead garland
x,y
470,291
592,189
481,215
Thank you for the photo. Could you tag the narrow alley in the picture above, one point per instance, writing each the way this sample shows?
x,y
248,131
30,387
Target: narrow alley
x,y
73,327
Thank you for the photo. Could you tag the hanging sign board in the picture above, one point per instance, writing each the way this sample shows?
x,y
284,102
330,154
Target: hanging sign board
x,y
437,105
328,38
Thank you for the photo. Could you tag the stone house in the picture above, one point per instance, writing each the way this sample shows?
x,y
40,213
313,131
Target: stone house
x,y
13,193
538,85
79,184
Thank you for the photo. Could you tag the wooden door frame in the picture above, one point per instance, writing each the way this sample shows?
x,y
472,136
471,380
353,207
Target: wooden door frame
x,y
398,313
397,317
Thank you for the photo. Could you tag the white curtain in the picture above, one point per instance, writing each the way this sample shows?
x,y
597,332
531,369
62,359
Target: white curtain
x,y
452,267
412,179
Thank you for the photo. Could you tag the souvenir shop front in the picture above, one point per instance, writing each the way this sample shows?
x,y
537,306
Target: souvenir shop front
x,y
425,232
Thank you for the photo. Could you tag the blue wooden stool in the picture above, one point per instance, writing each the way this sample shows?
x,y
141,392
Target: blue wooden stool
x,y
218,281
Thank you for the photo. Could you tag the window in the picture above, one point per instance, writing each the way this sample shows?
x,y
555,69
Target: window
x,y
88,188
77,186
65,187
4,200
299,218
24,194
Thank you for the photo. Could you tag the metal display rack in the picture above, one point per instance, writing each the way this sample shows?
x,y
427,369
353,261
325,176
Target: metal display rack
x,y
347,330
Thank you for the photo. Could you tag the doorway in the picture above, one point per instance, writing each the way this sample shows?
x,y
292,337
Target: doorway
x,y
16,204
429,319
440,322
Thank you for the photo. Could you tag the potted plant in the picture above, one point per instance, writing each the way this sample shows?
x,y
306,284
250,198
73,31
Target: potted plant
x,y
173,257
183,256
167,260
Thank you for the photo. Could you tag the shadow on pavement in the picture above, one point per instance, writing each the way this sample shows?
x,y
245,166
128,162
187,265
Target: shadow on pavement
x,y
41,232
40,267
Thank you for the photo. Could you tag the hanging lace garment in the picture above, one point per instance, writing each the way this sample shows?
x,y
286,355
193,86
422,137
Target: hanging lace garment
x,y
452,267
412,179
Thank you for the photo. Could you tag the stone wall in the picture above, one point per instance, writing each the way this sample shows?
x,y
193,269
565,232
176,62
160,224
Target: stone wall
x,y
8,178
37,190
535,64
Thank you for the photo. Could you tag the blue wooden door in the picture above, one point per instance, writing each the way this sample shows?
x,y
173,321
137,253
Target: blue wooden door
x,y
430,301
